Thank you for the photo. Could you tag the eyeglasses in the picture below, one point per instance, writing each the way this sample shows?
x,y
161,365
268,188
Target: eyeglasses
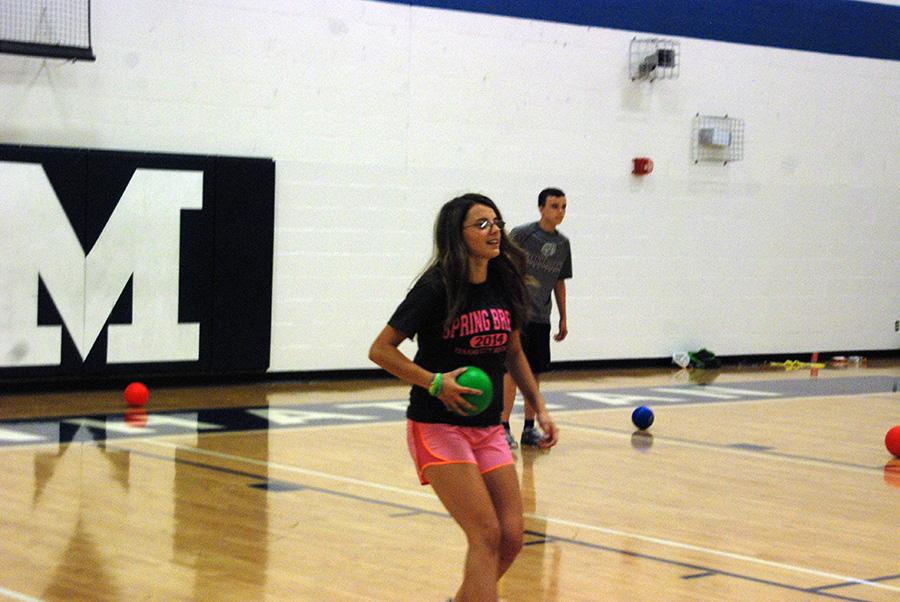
x,y
484,223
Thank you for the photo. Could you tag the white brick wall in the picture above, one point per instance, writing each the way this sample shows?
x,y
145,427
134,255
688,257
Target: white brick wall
x,y
377,113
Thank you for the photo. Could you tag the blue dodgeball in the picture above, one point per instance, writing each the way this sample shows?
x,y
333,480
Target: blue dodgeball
x,y
642,417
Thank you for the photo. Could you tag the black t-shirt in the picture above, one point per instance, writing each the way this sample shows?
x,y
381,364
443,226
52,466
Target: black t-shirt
x,y
479,336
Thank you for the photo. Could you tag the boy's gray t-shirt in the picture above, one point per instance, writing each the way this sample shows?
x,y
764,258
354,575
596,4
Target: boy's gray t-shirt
x,y
549,260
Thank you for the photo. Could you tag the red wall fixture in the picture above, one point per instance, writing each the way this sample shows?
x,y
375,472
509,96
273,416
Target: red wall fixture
x,y
642,166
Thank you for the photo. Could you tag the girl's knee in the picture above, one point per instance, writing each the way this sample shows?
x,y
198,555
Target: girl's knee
x,y
511,543
488,535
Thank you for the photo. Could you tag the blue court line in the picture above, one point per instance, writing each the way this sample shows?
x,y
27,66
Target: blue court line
x,y
412,510
101,427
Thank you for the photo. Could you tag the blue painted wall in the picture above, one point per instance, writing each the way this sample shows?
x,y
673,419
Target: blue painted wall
x,y
830,26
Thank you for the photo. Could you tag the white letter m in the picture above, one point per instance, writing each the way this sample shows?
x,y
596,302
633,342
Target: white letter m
x,y
140,240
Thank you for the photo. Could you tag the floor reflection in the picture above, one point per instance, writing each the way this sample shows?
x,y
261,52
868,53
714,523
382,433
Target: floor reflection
x,y
641,440
892,473
535,573
197,541
85,517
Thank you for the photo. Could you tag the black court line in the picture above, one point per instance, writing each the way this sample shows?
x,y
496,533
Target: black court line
x,y
700,571
281,484
699,575
537,542
755,449
852,583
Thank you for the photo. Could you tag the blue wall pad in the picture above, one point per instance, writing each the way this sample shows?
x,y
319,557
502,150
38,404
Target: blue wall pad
x,y
830,26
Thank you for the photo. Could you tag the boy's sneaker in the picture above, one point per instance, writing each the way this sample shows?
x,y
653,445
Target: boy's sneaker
x,y
531,437
510,440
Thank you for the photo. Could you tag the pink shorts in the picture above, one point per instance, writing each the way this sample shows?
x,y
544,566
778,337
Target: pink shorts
x,y
435,444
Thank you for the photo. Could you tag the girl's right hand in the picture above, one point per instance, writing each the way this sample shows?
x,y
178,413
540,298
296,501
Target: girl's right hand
x,y
551,433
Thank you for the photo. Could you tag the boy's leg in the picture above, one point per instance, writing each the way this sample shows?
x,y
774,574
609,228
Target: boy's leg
x,y
529,411
537,349
509,396
509,399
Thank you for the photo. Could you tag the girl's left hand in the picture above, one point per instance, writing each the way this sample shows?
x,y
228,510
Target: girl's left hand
x,y
451,394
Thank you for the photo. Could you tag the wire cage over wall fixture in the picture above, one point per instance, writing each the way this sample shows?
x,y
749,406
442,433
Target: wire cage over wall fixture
x,y
47,28
653,58
717,139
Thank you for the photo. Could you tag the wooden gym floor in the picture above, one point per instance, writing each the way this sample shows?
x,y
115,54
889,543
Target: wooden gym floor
x,y
751,485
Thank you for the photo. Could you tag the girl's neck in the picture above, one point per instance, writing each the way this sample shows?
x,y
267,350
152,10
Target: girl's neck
x,y
478,270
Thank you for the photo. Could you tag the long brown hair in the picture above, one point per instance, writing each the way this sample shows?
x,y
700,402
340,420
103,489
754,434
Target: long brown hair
x,y
450,260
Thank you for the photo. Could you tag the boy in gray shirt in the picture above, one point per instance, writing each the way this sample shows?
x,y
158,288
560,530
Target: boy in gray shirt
x,y
549,265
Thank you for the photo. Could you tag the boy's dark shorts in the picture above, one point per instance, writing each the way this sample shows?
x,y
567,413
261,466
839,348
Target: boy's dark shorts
x,y
536,345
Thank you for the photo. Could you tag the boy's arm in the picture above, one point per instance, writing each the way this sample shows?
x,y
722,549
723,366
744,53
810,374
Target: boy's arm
x,y
520,371
559,291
